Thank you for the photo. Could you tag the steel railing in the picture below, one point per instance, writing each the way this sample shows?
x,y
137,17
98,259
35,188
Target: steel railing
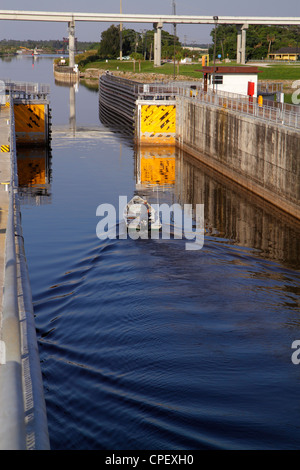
x,y
20,89
280,113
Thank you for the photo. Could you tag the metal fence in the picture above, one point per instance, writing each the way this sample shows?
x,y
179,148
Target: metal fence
x,y
280,113
26,89
273,112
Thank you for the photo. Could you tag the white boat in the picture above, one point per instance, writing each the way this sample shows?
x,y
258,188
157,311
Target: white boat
x,y
140,215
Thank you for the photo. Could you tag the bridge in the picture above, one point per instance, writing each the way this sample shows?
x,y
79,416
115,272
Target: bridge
x,y
242,23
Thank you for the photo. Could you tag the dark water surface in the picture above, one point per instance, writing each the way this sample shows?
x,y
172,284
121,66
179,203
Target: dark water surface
x,y
143,344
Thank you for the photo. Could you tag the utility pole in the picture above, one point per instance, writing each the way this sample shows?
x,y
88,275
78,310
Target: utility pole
x,y
215,42
121,30
174,36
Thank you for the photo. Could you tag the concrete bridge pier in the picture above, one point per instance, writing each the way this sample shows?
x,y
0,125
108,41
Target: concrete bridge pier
x,y
241,44
71,25
157,44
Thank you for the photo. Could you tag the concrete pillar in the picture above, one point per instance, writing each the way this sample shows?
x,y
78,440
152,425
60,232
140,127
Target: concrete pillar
x,y
71,25
238,44
243,57
157,44
241,44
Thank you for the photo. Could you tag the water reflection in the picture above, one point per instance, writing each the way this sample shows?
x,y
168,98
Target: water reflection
x,y
236,214
155,166
73,89
34,174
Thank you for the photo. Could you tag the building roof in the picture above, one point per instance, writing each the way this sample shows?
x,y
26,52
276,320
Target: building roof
x,y
288,50
229,69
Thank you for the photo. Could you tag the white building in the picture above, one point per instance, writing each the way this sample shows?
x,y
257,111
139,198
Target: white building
x,y
241,80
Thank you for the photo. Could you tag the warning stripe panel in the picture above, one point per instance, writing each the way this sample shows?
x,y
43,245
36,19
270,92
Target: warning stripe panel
x,y
29,118
158,119
5,148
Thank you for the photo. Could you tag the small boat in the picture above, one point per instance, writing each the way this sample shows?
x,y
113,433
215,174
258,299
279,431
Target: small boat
x,y
140,215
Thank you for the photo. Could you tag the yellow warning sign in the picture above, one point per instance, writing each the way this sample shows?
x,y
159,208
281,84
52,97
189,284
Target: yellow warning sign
x,y
30,124
5,148
158,124
158,118
29,117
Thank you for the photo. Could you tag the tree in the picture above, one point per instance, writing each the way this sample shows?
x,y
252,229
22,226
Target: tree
x,y
260,40
110,43
134,42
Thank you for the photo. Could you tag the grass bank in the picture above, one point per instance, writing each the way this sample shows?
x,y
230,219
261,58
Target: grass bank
x,y
270,72
143,66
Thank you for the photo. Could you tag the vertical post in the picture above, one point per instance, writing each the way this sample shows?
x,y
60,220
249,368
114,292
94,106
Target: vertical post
x,y
174,34
157,44
121,34
215,45
239,44
71,43
243,51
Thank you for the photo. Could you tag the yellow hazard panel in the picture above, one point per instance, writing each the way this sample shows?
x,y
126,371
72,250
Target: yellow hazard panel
x,y
158,119
29,117
5,148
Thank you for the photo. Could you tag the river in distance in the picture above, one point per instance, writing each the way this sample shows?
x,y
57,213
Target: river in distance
x,y
144,344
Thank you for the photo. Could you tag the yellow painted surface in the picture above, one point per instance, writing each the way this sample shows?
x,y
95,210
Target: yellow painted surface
x,y
158,118
284,56
157,139
157,167
158,124
30,122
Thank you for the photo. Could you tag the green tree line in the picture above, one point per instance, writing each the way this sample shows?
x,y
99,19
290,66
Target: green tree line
x,y
136,44
51,45
261,40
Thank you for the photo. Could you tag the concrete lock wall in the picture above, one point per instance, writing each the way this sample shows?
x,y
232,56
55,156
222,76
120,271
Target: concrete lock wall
x,y
259,155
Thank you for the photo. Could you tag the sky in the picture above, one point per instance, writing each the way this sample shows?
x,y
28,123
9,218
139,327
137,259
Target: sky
x,y
85,31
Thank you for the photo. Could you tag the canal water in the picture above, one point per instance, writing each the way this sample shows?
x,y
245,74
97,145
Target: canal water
x,y
144,344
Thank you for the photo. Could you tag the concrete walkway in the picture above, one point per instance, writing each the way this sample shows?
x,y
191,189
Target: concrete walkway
x,y
23,417
4,199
